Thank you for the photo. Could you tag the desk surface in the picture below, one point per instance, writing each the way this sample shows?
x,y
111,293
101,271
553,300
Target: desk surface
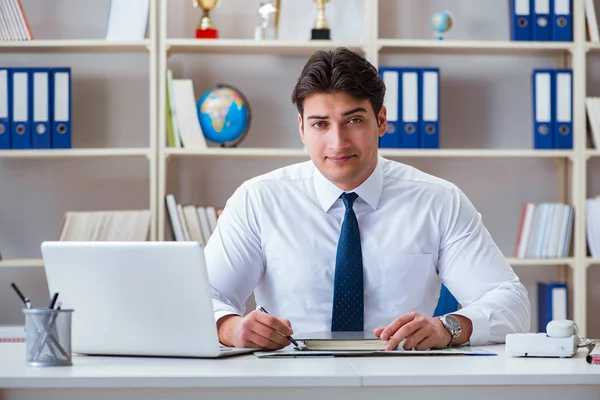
x,y
250,371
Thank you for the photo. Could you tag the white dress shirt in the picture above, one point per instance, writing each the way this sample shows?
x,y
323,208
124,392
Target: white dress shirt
x,y
278,237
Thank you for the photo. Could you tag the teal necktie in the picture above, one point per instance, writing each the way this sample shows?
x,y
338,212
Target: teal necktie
x,y
347,313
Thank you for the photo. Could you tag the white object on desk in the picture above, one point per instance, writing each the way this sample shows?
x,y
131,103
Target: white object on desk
x,y
560,340
136,298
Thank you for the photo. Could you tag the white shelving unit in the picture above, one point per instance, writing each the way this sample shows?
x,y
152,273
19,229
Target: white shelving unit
x,y
571,164
147,46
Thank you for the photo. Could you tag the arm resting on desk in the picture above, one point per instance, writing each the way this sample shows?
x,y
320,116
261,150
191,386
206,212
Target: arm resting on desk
x,y
478,275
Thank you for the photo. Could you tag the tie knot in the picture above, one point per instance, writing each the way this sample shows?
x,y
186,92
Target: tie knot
x,y
348,199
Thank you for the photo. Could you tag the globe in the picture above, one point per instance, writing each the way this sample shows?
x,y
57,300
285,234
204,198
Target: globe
x,y
224,115
441,22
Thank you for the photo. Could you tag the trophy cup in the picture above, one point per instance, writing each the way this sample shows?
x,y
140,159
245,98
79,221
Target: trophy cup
x,y
205,28
321,29
267,29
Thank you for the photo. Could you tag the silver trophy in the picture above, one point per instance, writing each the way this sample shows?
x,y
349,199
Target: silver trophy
x,y
268,27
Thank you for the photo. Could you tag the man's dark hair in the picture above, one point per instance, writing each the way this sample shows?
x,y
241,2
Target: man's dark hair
x,y
339,70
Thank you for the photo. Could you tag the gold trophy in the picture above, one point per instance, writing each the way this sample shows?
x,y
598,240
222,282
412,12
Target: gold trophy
x,y
205,28
321,29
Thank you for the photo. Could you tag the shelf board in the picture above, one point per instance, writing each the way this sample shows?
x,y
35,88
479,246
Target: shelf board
x,y
250,46
22,263
236,152
540,261
75,46
76,153
475,153
474,46
33,262
388,153
592,153
593,47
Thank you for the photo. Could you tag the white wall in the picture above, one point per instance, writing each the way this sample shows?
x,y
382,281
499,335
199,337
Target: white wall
x,y
486,103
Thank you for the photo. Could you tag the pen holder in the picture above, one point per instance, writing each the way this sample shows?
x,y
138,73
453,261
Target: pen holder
x,y
48,337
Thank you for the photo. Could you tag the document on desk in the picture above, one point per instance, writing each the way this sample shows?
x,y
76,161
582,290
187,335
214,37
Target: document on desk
x,y
453,351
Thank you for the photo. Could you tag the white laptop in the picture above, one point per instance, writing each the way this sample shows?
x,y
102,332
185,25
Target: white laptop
x,y
136,298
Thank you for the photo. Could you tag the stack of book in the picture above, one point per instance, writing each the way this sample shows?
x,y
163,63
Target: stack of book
x,y
593,226
126,225
183,126
544,231
191,222
592,106
13,22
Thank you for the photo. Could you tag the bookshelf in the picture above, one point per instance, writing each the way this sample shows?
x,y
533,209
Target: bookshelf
x,y
189,173
570,165
103,146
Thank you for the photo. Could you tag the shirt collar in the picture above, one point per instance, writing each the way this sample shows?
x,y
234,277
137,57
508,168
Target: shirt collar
x,y
370,190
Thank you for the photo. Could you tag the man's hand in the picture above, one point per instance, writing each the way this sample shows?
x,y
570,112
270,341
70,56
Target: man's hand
x,y
420,332
256,330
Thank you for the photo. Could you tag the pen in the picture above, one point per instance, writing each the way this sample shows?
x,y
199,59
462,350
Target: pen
x,y
291,339
24,299
53,301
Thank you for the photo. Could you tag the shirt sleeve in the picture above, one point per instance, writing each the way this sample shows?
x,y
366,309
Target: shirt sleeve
x,y
476,272
234,255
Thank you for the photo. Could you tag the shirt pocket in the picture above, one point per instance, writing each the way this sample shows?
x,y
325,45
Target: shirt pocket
x,y
405,279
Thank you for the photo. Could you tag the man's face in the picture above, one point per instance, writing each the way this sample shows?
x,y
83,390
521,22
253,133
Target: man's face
x,y
341,134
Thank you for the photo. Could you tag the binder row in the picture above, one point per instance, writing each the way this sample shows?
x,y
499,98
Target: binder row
x,y
412,100
541,20
553,108
35,108
13,21
544,231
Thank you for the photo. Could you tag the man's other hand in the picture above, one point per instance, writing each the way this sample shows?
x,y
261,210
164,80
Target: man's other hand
x,y
420,332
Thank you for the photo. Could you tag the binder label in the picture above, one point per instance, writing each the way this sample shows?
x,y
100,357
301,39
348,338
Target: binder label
x,y
410,94
542,6
563,97
522,7
3,93
430,92
61,96
542,94
40,96
20,105
561,7
391,95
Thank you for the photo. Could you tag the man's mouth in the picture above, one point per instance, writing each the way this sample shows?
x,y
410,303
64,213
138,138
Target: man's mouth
x,y
340,159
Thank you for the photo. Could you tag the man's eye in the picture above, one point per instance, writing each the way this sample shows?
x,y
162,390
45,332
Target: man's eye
x,y
318,125
355,120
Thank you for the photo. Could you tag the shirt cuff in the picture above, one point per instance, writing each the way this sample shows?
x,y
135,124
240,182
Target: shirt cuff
x,y
222,309
481,326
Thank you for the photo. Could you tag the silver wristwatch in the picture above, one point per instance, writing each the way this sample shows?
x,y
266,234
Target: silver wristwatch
x,y
452,325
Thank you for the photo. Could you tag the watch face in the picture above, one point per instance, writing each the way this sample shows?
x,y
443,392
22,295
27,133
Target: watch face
x,y
452,322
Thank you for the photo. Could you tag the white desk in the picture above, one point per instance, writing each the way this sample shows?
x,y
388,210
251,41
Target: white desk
x,y
247,377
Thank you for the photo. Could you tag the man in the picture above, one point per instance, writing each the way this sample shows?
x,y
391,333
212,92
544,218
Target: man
x,y
352,241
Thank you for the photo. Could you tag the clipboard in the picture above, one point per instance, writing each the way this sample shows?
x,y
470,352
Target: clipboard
x,y
452,351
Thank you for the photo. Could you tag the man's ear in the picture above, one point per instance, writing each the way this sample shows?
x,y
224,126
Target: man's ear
x,y
382,121
301,127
